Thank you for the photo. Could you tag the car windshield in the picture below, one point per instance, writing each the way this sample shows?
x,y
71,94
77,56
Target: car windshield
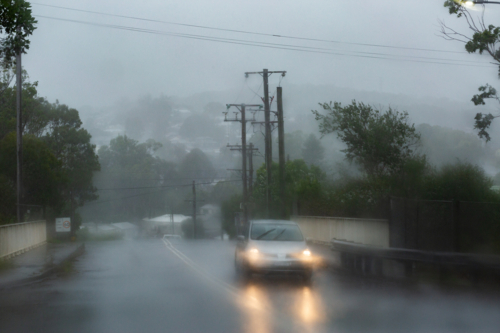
x,y
276,232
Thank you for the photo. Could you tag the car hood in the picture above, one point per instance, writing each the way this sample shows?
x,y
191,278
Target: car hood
x,y
277,247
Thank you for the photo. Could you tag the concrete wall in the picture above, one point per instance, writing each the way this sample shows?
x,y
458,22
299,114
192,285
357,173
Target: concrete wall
x,y
20,237
364,231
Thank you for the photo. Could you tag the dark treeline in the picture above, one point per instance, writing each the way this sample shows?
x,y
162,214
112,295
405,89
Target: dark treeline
x,y
58,157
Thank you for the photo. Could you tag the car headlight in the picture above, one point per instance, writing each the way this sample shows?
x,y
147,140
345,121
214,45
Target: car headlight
x,y
253,251
306,253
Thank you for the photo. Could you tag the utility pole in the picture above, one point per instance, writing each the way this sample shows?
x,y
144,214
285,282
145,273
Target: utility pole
x,y
281,150
268,139
243,120
250,167
19,135
172,220
250,149
194,210
195,226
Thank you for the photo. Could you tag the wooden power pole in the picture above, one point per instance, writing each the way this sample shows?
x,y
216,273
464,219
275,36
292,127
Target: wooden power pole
x,y
268,138
281,150
243,120
194,210
19,136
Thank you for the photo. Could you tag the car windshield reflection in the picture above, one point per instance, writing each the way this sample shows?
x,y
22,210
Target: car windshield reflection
x,y
276,232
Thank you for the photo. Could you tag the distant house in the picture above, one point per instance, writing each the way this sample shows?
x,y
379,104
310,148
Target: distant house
x,y
212,223
128,229
165,224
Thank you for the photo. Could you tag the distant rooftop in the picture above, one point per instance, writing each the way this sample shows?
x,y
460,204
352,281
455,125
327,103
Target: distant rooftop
x,y
167,218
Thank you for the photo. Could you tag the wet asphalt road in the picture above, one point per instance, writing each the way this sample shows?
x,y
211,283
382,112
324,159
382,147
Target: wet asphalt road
x,y
147,286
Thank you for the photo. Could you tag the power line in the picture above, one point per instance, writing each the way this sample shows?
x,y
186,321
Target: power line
x,y
152,192
164,186
307,49
245,32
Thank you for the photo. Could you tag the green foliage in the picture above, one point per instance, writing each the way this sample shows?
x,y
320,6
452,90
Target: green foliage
x,y
7,200
71,145
17,23
294,143
483,121
223,191
59,128
454,6
126,163
42,174
302,184
228,208
187,228
485,39
196,165
379,142
444,145
312,150
460,181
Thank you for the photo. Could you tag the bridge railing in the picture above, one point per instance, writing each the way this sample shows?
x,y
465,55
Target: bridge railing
x,y
321,229
20,237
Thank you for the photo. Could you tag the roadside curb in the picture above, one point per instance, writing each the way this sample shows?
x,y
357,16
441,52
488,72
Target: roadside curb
x,y
51,270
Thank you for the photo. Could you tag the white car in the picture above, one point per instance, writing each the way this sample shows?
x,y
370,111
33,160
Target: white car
x,y
270,246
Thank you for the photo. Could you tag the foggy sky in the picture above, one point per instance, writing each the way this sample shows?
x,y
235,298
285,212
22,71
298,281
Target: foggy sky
x,y
96,66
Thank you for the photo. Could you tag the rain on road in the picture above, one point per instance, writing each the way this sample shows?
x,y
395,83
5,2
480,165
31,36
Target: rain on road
x,y
191,286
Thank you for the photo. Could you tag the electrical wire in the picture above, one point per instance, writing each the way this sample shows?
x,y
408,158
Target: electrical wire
x,y
165,186
255,94
299,48
245,32
141,194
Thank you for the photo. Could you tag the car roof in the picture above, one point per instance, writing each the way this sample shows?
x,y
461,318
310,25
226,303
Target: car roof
x,y
273,222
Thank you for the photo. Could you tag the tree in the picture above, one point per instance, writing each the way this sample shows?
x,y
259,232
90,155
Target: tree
x,y
444,145
379,142
134,182
196,165
460,181
312,150
42,171
228,209
303,184
484,39
71,145
17,23
59,128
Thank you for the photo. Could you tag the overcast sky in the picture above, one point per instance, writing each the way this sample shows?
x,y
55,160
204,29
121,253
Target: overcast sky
x,y
82,64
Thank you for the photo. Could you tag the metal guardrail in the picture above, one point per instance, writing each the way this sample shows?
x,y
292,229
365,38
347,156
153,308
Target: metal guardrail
x,y
366,258
322,229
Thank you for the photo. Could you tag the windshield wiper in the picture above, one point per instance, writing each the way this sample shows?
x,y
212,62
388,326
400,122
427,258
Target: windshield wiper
x,y
275,238
262,235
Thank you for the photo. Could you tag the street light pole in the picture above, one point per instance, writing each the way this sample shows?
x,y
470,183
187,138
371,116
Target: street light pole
x,y
481,2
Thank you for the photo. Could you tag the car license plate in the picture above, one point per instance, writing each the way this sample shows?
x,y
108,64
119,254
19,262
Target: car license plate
x,y
282,263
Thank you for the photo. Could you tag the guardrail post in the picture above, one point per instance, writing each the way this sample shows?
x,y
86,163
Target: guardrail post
x,y
456,225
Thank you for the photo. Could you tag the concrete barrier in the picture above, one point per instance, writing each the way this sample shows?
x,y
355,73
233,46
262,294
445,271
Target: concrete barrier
x,y
363,231
21,237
